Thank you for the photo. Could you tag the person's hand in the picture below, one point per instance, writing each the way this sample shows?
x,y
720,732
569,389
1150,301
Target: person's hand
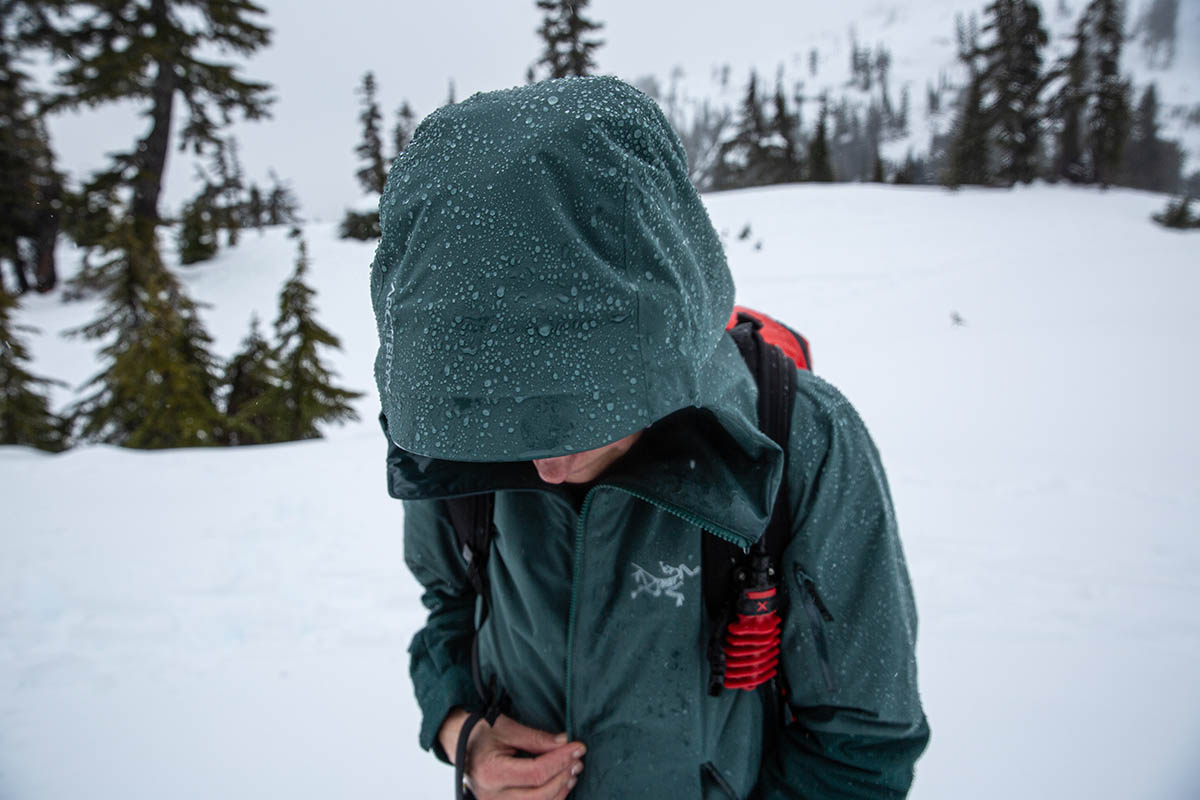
x,y
495,768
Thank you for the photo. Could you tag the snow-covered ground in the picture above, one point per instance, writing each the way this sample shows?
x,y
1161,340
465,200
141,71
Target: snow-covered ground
x,y
233,623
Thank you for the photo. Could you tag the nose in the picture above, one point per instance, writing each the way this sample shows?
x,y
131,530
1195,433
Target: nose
x,y
554,470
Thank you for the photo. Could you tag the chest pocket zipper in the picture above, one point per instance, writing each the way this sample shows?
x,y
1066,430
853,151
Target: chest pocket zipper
x,y
818,615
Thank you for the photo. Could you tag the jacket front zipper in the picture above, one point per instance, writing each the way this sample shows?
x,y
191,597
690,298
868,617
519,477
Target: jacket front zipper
x,y
576,572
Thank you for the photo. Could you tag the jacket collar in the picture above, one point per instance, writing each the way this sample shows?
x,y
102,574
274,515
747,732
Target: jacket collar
x,y
711,464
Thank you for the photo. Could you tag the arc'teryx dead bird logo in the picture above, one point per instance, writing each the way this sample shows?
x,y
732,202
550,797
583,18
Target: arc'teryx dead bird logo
x,y
670,584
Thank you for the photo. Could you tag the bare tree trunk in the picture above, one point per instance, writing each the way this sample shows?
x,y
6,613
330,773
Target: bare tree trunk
x,y
19,270
47,267
46,229
152,151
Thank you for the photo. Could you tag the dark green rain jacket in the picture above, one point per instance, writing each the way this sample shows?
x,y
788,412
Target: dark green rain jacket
x,y
548,282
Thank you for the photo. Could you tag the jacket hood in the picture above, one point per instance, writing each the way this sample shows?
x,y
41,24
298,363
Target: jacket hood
x,y
548,280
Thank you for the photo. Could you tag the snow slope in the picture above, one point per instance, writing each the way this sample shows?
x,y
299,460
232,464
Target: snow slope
x,y
233,624
920,37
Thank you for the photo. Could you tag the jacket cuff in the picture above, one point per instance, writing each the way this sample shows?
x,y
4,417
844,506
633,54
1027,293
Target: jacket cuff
x,y
441,693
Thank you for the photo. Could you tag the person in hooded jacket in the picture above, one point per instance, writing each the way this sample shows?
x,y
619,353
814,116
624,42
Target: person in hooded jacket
x,y
551,301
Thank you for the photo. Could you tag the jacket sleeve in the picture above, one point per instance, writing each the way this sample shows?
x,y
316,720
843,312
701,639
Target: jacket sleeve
x,y
440,653
856,724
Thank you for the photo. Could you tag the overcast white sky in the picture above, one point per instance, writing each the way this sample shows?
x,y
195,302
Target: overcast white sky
x,y
321,49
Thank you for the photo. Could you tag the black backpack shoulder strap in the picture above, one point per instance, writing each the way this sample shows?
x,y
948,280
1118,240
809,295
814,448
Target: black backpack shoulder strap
x,y
775,375
471,517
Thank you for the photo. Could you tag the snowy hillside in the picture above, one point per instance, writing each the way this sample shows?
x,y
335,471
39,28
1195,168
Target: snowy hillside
x,y
233,623
920,39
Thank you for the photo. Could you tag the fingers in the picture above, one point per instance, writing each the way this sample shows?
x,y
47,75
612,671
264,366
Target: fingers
x,y
551,775
530,740
543,769
557,788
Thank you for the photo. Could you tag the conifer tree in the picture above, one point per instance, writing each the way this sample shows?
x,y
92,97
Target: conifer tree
x,y
197,237
256,209
402,132
305,394
900,123
565,32
92,216
30,186
969,156
1071,160
1178,214
1150,162
784,125
155,52
1108,122
743,160
970,151
819,168
373,172
158,385
25,415
1011,82
250,377
229,208
878,174
907,174
282,208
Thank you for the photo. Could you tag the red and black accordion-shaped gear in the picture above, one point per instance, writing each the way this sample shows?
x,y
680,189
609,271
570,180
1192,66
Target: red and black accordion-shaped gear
x,y
752,641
